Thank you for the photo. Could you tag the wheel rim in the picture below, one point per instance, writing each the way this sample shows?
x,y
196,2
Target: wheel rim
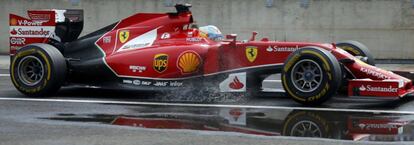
x,y
306,129
30,70
306,75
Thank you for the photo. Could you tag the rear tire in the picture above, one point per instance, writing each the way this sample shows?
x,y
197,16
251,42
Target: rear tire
x,y
38,70
311,76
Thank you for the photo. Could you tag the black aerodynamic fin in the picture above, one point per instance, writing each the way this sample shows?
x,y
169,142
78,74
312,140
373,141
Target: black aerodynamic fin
x,y
100,31
84,47
70,26
84,56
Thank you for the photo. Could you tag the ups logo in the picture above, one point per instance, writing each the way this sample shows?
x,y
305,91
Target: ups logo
x,y
160,62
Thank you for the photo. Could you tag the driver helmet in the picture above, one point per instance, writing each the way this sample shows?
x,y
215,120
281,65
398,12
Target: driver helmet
x,y
211,32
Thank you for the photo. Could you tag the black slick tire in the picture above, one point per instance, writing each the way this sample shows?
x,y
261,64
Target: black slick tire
x,y
38,70
357,49
311,76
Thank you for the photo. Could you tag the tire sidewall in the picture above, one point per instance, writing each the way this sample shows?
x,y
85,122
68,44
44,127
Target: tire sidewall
x,y
297,116
52,77
330,76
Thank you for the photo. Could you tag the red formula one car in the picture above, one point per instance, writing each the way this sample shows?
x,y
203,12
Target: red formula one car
x,y
167,51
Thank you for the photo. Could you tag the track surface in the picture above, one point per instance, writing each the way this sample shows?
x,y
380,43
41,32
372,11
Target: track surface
x,y
94,116
275,99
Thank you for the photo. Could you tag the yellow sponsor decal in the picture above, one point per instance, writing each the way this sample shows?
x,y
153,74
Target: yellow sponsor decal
x,y
123,36
189,62
251,53
160,63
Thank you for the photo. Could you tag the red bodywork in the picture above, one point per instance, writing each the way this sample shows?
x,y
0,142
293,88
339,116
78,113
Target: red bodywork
x,y
163,46
183,41
209,54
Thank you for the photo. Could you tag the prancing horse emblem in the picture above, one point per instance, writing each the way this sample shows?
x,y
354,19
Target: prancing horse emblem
x,y
123,35
251,53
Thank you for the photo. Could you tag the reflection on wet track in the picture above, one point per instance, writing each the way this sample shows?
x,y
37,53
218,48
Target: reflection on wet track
x,y
356,126
341,118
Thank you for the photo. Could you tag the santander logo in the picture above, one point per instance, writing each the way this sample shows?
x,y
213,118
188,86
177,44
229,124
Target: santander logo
x,y
31,31
370,88
362,88
236,84
235,113
13,32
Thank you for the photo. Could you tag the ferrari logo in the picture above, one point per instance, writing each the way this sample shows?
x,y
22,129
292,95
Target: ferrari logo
x,y
123,35
251,53
160,62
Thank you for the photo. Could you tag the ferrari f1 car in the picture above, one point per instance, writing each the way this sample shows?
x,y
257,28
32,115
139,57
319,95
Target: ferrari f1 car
x,y
167,51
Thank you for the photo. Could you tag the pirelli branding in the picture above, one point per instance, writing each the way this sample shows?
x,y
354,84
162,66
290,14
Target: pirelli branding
x,y
160,63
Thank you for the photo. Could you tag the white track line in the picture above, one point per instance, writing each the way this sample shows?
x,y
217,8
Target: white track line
x,y
273,81
4,75
205,105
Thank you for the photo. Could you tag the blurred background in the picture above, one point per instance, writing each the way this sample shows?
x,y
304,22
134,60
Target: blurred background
x,y
385,26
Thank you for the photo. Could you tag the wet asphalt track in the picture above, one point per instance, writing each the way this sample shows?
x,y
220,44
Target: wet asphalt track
x,y
267,99
93,116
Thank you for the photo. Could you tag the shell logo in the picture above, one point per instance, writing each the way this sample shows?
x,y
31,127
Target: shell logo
x,y
13,22
189,62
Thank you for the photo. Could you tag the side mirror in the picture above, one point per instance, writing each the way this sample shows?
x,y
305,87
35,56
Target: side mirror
x,y
254,33
232,37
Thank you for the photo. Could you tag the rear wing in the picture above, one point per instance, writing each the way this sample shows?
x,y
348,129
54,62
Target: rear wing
x,y
43,26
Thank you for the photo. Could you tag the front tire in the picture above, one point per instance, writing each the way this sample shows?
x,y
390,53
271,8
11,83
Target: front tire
x,y
307,124
38,70
311,76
